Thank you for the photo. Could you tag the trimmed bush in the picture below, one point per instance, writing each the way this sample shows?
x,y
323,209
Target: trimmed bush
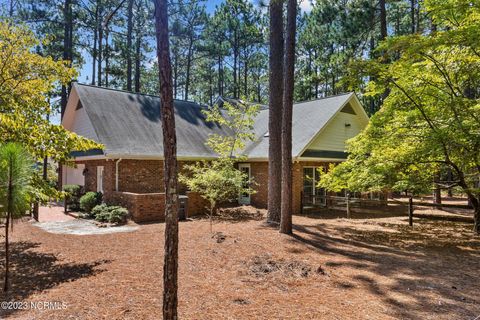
x,y
112,214
98,210
90,200
74,192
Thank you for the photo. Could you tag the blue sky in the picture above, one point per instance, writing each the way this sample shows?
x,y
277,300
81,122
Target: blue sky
x,y
86,70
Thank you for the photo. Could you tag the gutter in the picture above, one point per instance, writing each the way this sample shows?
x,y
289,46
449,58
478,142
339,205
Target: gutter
x,y
116,173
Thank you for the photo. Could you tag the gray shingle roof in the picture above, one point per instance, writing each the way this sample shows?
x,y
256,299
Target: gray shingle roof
x,y
308,118
129,125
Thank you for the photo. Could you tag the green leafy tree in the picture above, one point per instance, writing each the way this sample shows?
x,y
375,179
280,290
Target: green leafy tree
x,y
16,174
219,181
430,120
26,81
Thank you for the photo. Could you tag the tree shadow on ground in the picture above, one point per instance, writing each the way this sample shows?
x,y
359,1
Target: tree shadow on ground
x,y
238,214
356,213
234,215
32,272
405,267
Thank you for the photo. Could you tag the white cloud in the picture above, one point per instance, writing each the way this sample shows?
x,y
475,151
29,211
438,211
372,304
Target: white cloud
x,y
306,5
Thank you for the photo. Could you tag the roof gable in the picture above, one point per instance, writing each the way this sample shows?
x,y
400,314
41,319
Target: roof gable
x,y
348,121
307,120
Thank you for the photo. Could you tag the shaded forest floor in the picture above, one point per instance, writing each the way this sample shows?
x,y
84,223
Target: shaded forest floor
x,y
332,268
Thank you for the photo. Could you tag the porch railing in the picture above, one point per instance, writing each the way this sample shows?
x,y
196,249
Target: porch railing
x,y
322,201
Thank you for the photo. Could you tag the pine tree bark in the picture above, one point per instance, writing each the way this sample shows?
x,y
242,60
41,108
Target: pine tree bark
x,y
129,44
275,110
138,58
95,40
188,69
170,269
289,77
7,225
383,20
67,49
7,253
412,15
67,56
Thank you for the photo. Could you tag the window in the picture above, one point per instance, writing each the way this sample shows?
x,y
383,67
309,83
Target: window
x,y
311,191
244,198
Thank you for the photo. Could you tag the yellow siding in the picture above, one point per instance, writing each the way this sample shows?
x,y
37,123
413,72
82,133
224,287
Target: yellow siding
x,y
334,135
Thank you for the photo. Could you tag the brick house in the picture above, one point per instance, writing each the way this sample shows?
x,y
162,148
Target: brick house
x,y
129,169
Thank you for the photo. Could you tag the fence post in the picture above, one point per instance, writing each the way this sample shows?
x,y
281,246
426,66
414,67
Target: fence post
x,y
65,204
348,206
35,210
301,202
410,211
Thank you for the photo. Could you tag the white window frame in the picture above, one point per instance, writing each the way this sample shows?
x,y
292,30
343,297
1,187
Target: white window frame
x,y
100,172
242,199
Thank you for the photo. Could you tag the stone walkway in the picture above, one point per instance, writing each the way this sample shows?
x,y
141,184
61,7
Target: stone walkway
x,y
53,213
80,227
53,220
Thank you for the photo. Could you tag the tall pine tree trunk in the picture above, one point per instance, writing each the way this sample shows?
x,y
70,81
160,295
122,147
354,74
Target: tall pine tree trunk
x,y
67,56
383,20
138,58
275,111
189,67
107,57
129,44
289,70
67,48
7,224
412,15
7,253
170,269
235,72
245,77
220,76
99,54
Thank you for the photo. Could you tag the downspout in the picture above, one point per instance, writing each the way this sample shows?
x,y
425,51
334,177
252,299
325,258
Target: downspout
x,y
116,173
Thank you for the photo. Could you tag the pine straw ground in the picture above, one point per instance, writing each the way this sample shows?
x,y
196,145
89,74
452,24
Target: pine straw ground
x,y
332,268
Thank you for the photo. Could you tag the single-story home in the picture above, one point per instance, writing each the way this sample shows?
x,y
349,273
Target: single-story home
x,y
129,170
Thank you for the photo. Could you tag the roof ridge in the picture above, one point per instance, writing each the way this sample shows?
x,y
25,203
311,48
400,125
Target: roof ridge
x,y
135,93
324,98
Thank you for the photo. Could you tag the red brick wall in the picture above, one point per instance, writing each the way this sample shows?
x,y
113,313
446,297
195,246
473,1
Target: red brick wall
x,y
142,207
140,176
108,175
146,177
145,207
259,172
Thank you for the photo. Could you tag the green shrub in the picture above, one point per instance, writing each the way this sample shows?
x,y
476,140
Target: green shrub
x,y
97,210
112,214
90,200
74,192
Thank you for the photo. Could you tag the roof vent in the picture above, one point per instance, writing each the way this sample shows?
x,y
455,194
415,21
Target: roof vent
x,y
348,109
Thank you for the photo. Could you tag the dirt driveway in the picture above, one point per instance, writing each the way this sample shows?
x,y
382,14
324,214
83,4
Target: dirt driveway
x,y
332,268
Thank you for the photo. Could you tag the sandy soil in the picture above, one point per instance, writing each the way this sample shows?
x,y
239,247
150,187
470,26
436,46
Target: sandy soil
x,y
332,268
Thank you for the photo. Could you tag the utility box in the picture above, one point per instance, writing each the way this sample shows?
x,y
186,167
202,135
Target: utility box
x,y
182,207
